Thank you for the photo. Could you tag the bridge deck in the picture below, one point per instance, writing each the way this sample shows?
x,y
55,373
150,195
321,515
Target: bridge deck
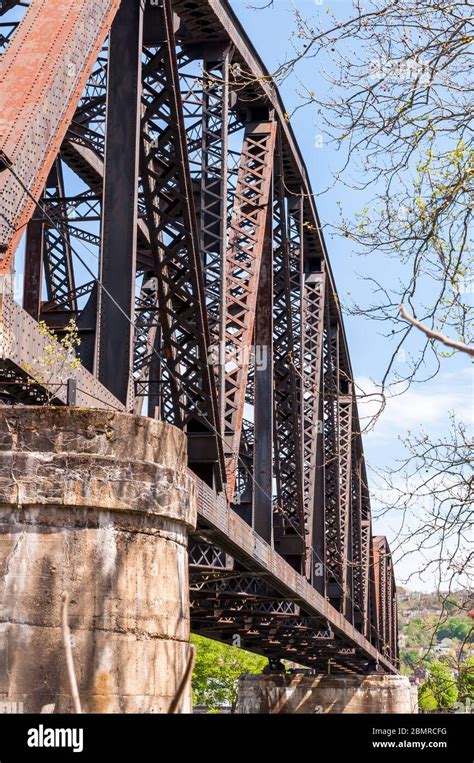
x,y
223,527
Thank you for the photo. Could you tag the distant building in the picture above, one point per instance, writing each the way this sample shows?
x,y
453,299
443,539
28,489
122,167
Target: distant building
x,y
445,646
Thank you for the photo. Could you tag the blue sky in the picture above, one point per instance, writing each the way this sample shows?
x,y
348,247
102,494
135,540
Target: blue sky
x,y
427,404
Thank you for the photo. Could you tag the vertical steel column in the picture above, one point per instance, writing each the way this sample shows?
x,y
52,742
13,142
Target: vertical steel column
x,y
312,330
383,601
358,572
389,605
263,413
366,552
223,233
146,322
213,202
290,531
119,223
188,384
395,654
344,403
246,239
375,590
34,252
155,379
331,459
319,575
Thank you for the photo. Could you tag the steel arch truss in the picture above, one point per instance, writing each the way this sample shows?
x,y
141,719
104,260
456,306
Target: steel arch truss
x,y
168,215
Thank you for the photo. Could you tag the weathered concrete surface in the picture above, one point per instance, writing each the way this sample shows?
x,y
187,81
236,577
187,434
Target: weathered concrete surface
x,y
96,503
276,693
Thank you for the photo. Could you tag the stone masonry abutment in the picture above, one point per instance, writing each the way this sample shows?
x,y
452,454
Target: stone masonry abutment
x,y
98,504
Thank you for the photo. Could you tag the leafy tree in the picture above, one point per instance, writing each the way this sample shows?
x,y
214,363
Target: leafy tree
x,y
409,660
217,670
420,631
439,691
455,628
466,680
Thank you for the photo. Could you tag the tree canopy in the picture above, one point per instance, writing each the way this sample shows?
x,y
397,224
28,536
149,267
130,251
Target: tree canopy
x,y
217,670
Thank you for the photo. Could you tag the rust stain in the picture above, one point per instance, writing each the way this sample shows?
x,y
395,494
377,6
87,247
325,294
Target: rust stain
x,y
102,692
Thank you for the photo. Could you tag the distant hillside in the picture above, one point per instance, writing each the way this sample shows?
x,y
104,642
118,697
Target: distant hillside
x,y
434,627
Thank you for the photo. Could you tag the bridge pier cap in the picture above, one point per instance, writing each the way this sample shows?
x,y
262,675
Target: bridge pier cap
x,y
300,693
98,504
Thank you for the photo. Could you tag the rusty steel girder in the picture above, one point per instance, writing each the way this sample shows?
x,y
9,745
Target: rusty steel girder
x,y
242,269
43,73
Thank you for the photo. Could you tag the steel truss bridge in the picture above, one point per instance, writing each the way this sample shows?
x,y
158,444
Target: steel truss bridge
x,y
151,189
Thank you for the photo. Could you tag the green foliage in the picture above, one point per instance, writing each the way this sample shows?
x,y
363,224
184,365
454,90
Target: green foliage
x,y
466,680
420,631
409,660
58,361
455,628
439,691
217,671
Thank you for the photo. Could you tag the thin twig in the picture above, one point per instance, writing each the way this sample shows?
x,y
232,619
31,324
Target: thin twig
x,y
184,681
436,334
69,659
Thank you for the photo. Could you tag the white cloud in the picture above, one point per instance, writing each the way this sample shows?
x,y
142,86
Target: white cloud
x,y
424,405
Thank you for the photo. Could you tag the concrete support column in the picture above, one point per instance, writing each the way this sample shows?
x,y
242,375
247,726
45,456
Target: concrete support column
x,y
98,504
279,693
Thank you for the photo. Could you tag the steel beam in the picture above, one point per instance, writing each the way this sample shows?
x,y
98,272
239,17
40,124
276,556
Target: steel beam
x,y
311,369
116,314
331,460
57,259
287,436
263,411
344,445
243,261
34,252
43,73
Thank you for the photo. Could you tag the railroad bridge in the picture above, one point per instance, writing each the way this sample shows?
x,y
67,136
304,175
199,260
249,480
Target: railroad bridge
x,y
153,193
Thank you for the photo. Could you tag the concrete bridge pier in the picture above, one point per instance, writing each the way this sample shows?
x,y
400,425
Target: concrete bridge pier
x,y
98,504
302,693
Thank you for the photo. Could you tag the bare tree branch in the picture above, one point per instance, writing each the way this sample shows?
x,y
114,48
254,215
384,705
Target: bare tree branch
x,y
69,658
436,334
184,681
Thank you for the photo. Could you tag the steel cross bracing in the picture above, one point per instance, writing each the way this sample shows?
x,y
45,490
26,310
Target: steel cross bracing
x,y
147,161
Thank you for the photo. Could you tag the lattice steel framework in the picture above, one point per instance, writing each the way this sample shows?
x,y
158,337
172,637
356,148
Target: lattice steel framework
x,y
168,213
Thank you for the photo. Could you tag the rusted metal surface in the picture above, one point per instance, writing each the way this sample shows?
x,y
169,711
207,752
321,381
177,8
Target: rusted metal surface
x,y
240,541
262,514
312,355
40,359
385,600
115,336
287,381
242,268
43,73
